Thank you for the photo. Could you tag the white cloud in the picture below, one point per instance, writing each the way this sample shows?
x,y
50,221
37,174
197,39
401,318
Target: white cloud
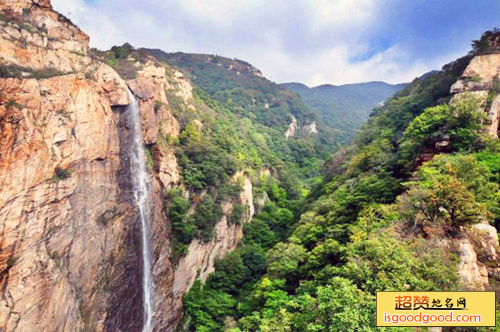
x,y
289,40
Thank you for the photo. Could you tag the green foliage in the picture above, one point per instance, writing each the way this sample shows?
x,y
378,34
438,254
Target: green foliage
x,y
383,262
461,122
277,194
122,59
491,160
237,213
371,219
344,107
488,43
207,310
11,103
122,52
187,226
183,224
149,159
233,83
238,88
450,191
351,241
277,218
284,259
258,232
237,274
208,213
203,162
61,174
230,274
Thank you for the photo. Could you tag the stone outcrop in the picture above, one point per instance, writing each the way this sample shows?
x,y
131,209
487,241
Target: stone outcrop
x,y
470,271
69,249
310,129
34,36
292,128
149,87
481,78
478,252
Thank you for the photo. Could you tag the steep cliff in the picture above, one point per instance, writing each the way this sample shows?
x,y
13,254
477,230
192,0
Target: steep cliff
x,y
66,230
481,78
478,248
69,234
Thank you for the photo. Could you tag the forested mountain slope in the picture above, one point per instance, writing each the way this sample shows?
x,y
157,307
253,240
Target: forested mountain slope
x,y
409,206
241,87
345,107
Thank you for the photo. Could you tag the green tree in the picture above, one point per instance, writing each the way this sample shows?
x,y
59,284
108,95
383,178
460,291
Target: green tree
x,y
284,258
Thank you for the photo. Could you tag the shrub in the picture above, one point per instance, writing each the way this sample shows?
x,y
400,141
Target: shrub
x,y
461,121
61,174
13,104
237,213
149,159
451,190
207,309
284,259
230,274
158,105
15,71
384,262
207,214
183,225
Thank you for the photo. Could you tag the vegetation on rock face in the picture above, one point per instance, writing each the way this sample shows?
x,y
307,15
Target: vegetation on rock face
x,y
219,137
61,174
16,71
459,125
488,43
367,226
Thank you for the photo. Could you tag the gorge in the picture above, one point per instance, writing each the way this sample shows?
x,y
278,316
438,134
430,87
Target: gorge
x,y
149,191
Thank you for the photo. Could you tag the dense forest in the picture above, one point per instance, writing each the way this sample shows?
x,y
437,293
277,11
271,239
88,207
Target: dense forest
x,y
375,222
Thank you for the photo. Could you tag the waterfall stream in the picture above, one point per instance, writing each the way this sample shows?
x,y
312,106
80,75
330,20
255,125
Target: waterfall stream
x,y
140,186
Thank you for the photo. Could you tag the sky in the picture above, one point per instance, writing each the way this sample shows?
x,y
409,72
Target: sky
x,y
309,41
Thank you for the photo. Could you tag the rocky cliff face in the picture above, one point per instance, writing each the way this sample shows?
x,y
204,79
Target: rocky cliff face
x,y
478,249
481,78
63,218
69,236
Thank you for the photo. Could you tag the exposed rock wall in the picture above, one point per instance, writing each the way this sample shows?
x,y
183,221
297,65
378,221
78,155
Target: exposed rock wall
x,y
292,128
481,78
479,254
67,233
478,248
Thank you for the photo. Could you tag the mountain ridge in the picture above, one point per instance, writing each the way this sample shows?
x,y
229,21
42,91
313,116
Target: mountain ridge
x,y
345,107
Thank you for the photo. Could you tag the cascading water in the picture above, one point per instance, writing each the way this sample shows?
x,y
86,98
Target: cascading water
x,y
140,186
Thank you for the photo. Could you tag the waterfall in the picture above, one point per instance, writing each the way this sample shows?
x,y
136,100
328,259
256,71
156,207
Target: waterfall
x,y
140,186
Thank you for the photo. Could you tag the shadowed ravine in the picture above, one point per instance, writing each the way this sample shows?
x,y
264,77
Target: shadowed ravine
x,y
140,187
